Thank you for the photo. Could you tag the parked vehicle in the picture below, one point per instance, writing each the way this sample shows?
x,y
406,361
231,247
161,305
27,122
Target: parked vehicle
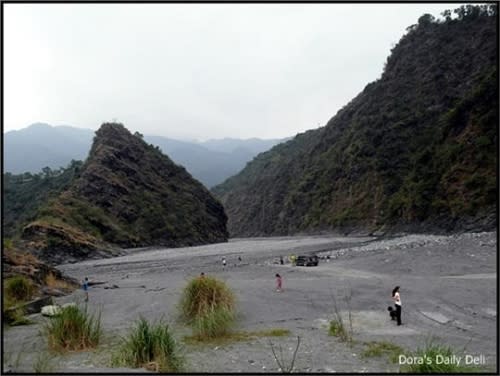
x,y
307,261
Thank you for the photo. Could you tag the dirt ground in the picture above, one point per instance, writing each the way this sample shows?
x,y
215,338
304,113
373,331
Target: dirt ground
x,y
448,291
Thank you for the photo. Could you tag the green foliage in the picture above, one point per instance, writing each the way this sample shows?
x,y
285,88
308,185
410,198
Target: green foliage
x,y
73,329
15,316
338,329
381,348
208,306
25,194
44,363
126,194
149,345
416,147
429,353
19,288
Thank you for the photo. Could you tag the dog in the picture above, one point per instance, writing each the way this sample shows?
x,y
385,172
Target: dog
x,y
392,313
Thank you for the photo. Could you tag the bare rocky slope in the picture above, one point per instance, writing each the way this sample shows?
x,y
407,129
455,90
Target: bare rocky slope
x,y
127,194
416,150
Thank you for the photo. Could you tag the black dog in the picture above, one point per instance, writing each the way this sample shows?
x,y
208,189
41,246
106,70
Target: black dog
x,y
392,313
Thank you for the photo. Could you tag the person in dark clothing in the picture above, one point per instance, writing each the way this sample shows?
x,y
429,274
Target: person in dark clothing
x,y
85,287
397,303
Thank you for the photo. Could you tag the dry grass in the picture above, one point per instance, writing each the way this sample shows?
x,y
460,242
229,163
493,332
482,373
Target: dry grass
x,y
52,282
20,258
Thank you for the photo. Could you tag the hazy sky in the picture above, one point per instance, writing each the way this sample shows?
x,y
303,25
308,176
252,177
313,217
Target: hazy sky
x,y
195,71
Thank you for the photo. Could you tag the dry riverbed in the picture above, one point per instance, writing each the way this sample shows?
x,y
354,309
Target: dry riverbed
x,y
448,290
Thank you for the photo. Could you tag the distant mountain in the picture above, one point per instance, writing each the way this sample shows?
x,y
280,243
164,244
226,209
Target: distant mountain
x,y
126,194
415,150
41,145
252,146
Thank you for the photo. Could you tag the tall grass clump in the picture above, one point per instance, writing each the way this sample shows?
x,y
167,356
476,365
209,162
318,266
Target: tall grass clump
x,y
208,306
19,288
150,346
73,329
431,353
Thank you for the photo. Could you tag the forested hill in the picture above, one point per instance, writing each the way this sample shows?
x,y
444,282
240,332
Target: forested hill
x,y
126,194
416,149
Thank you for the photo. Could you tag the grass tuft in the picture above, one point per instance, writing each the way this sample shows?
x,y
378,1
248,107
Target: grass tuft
x,y
151,346
377,349
73,329
431,353
19,288
338,329
53,282
207,305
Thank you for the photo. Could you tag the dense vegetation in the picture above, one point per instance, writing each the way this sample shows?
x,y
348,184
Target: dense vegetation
x,y
24,193
126,194
415,149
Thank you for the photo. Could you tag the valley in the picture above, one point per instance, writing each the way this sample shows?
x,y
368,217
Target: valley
x,y
447,286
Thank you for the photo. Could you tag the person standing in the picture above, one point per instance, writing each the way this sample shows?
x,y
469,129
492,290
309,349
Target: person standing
x,y
397,303
223,263
279,283
85,287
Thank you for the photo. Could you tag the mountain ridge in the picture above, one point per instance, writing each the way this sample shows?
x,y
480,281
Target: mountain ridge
x,y
126,194
416,149
42,145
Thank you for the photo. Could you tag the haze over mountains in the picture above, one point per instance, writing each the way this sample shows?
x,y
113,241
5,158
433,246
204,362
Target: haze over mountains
x,y
415,150
42,145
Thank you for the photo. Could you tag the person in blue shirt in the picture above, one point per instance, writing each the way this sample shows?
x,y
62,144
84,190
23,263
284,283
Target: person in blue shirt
x,y
85,287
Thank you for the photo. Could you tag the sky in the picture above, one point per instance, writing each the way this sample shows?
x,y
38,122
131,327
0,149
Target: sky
x,y
195,71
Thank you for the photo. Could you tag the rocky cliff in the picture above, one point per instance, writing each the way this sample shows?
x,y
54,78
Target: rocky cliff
x,y
416,149
126,194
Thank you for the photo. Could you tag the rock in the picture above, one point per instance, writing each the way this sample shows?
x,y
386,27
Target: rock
x,y
35,306
52,291
51,310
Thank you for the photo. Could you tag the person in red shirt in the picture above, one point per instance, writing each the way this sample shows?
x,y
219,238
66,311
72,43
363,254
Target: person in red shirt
x,y
279,283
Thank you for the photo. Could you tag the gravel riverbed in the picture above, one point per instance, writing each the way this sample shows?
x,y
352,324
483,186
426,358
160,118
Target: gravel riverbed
x,y
448,288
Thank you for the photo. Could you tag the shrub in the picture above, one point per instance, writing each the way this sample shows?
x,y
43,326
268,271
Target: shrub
x,y
150,346
15,317
73,329
429,354
19,288
208,306
337,329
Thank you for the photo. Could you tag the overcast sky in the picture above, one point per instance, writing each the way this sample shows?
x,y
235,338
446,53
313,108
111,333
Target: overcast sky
x,y
195,71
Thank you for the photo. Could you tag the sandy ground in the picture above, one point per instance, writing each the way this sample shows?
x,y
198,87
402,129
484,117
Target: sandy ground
x,y
448,289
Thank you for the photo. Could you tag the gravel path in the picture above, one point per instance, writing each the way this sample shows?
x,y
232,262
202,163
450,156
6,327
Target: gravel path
x,y
448,289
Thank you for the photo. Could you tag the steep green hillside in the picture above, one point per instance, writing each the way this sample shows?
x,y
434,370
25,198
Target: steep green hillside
x,y
127,194
416,149
23,194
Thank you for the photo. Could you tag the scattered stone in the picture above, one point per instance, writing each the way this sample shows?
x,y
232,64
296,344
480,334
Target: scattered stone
x,y
51,310
51,291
